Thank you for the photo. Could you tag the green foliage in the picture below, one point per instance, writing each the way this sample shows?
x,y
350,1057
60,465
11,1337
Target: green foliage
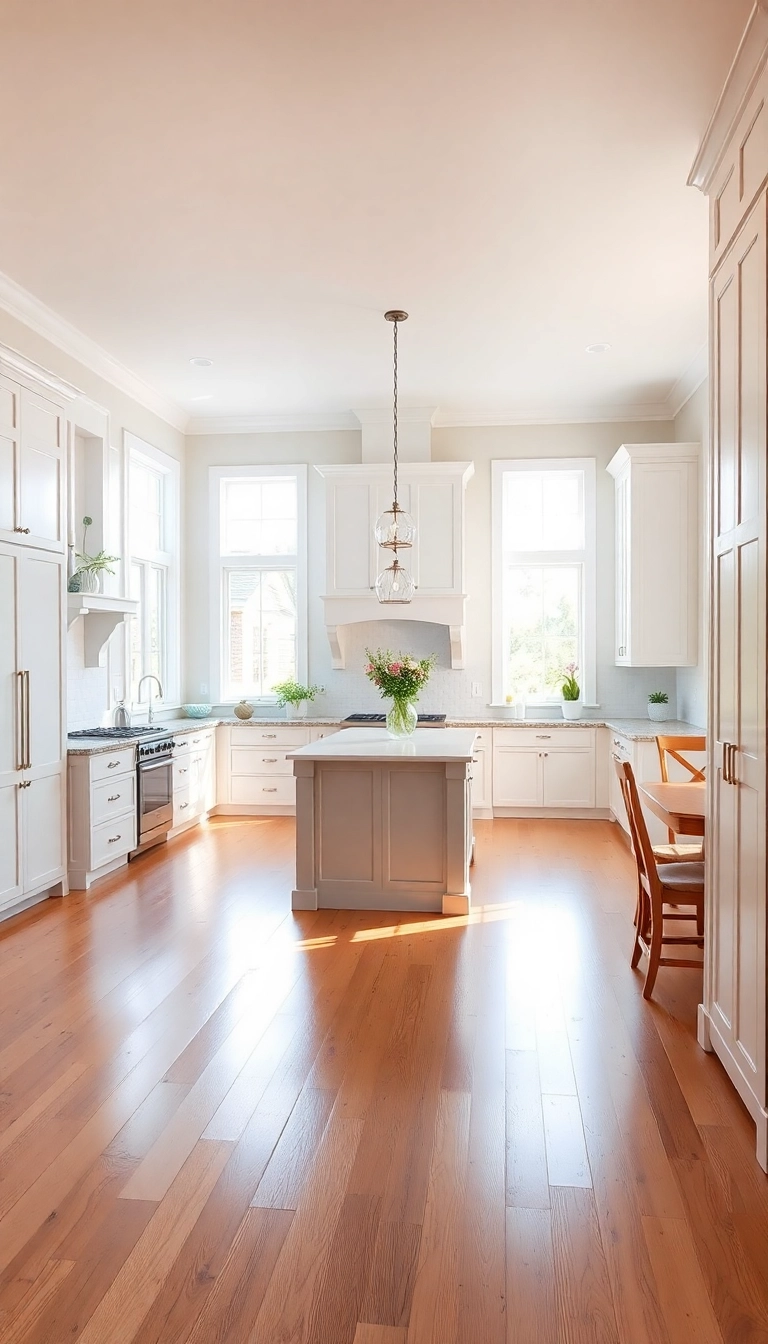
x,y
570,687
658,698
398,676
293,693
95,563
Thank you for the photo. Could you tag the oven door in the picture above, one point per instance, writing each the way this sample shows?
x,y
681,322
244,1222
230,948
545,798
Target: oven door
x,y
155,798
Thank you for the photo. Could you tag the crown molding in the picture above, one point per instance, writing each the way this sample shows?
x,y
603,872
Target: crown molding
x,y
28,369
40,318
740,81
689,382
273,424
406,415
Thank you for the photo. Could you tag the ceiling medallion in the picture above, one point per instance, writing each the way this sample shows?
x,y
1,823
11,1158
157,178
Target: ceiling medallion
x,y
395,530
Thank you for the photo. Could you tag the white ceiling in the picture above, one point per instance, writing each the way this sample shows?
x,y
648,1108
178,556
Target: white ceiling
x,y
256,181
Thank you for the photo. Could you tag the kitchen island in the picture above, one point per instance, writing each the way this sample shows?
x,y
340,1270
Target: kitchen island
x,y
384,823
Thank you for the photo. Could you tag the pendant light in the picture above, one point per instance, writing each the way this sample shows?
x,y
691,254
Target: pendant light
x,y
395,530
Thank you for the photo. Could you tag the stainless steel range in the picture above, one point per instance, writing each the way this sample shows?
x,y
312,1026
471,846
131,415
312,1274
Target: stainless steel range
x,y
154,781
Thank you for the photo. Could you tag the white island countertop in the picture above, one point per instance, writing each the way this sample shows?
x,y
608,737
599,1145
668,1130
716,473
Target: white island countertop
x,y
375,744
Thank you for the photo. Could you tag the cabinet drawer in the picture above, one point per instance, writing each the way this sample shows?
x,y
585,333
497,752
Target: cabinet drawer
x,y
287,738
544,737
187,742
182,771
484,737
183,806
277,790
113,839
113,797
259,761
110,764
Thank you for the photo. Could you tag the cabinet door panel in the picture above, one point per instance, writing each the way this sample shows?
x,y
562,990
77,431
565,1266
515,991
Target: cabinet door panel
x,y
435,568
9,453
350,562
40,580
568,779
41,471
10,752
479,778
516,777
10,843
44,857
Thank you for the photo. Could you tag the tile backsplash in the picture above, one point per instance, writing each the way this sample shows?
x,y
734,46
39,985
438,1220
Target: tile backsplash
x,y
87,687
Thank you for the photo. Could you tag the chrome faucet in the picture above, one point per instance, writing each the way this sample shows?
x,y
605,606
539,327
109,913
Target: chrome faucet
x,y
149,676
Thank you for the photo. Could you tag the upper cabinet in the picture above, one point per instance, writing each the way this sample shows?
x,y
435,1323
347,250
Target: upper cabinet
x,y
657,487
33,450
433,493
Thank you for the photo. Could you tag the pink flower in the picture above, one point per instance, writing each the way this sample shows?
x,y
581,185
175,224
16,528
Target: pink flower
x,y
395,669
369,668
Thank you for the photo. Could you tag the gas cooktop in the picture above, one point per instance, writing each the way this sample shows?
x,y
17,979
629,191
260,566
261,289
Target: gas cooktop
x,y
425,720
146,730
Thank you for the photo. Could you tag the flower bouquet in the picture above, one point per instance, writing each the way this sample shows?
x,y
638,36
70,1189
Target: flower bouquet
x,y
401,679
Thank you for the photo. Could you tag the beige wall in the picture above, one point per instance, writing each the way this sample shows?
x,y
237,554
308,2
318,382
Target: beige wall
x,y
692,426
620,690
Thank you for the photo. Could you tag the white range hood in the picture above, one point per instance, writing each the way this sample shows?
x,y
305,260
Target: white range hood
x,y
433,493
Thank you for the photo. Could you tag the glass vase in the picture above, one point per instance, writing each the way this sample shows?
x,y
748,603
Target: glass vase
x,y
402,719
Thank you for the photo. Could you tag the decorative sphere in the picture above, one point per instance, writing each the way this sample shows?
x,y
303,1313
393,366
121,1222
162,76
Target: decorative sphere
x,y
394,528
395,584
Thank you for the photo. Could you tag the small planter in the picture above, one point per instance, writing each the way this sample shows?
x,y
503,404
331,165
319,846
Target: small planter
x,y
571,709
298,711
90,581
658,713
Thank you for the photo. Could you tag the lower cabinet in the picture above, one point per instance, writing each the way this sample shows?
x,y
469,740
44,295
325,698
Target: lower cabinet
x,y
482,782
194,776
102,813
537,769
258,777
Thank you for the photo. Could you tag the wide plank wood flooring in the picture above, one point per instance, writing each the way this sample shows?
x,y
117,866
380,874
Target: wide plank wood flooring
x,y
221,1123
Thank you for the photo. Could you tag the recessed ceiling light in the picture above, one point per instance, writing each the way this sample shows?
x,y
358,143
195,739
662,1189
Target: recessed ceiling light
x,y
200,362
600,348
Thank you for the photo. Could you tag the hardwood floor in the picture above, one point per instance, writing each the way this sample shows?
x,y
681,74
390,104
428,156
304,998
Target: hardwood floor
x,y
220,1122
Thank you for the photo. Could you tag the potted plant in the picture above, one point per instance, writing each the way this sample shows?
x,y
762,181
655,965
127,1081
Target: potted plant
x,y
658,702
87,576
571,692
294,697
401,679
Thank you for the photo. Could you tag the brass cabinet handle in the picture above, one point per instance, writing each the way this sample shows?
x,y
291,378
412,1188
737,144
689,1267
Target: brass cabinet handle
x,y
269,760
24,735
25,530
20,709
732,765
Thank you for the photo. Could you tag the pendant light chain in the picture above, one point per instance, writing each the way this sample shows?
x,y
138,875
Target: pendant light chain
x,y
394,407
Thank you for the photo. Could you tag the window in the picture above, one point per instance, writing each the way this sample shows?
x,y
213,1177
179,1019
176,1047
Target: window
x,y
259,579
153,529
543,576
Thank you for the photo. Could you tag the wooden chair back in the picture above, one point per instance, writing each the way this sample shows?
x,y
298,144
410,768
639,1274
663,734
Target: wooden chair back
x,y
641,841
671,747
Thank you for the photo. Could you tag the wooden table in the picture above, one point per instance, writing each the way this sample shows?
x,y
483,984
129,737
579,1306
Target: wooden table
x,y
680,806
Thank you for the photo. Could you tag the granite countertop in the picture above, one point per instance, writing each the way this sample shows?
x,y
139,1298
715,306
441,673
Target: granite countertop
x,y
637,730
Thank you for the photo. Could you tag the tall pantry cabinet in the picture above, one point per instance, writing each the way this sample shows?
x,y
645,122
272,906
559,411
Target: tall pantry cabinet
x,y
732,168
33,444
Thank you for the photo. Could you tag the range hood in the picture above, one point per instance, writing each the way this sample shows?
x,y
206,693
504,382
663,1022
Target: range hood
x,y
433,493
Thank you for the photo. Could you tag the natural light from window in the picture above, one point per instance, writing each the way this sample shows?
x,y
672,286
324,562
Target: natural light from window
x,y
543,556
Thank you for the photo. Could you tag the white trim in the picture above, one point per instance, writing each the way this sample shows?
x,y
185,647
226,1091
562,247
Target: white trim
x,y
22,367
690,381
26,308
133,446
739,85
499,468
216,567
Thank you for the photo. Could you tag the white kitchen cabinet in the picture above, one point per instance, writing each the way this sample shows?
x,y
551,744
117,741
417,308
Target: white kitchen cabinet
x,y
32,468
656,519
194,776
482,762
32,757
255,777
544,768
102,813
644,759
433,493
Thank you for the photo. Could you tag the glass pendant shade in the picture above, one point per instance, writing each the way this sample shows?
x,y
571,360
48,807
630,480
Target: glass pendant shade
x,y
395,584
395,528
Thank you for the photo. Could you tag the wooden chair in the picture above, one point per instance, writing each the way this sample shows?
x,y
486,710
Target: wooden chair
x,y
661,891
670,748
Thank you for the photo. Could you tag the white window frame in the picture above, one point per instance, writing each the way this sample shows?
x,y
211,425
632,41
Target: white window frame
x,y
587,557
219,564
139,450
